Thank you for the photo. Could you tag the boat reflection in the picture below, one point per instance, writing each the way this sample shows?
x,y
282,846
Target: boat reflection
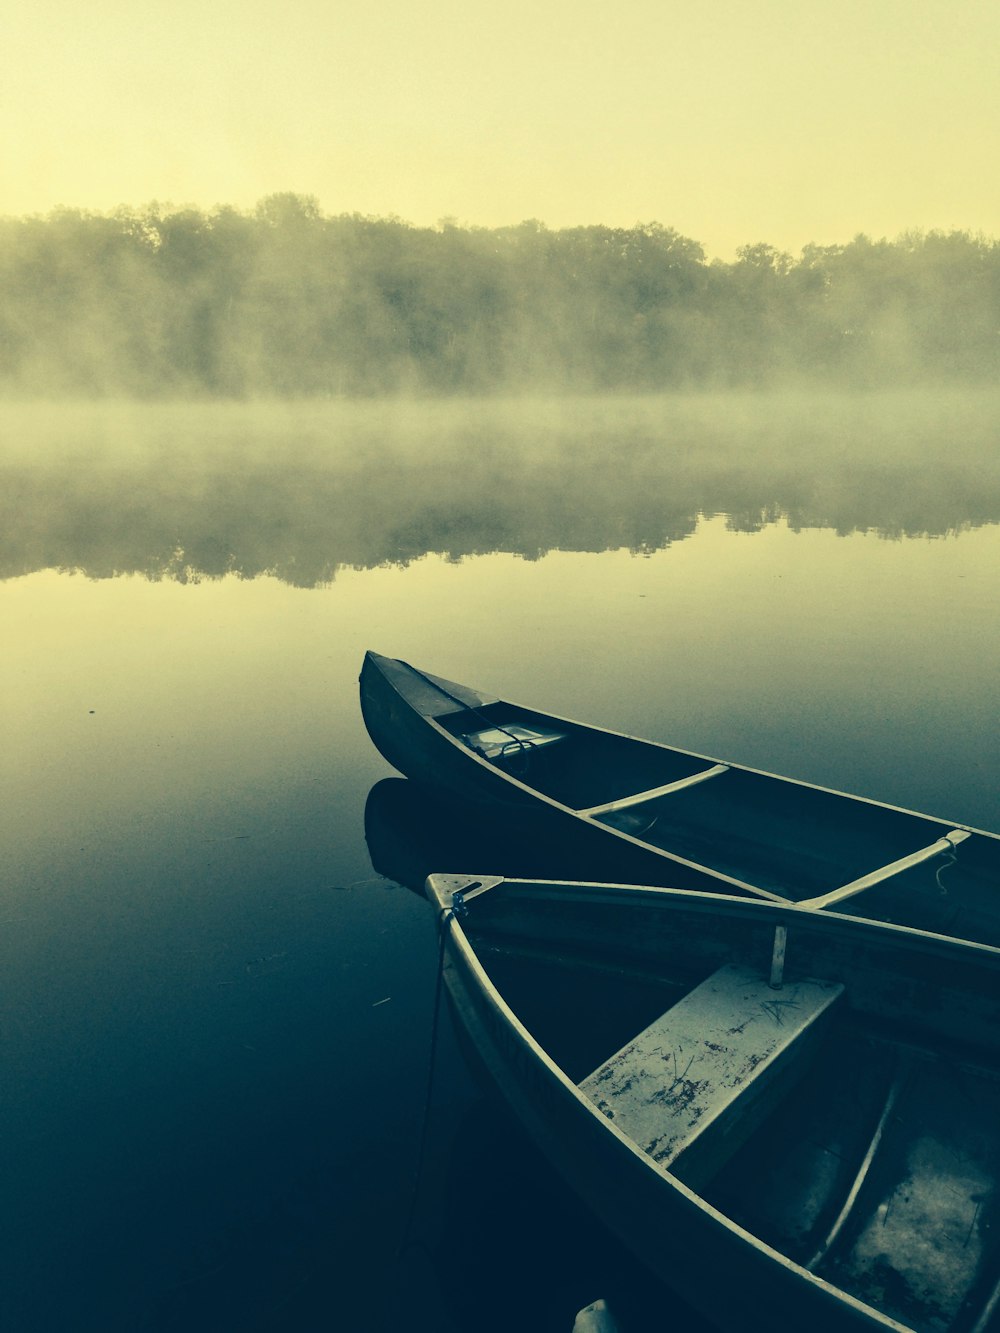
x,y
412,833
488,1202
300,493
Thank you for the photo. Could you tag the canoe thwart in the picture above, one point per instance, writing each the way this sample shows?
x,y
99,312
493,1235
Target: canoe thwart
x,y
946,844
691,1087
501,741
595,811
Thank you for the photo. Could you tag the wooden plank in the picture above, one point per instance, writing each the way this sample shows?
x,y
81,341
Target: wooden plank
x,y
946,844
681,1082
594,811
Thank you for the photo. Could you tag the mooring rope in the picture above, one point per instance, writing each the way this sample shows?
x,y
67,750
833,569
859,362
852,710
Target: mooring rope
x,y
405,1242
950,859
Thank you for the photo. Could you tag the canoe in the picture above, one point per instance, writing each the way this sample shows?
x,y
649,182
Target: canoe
x,y
636,811
790,1117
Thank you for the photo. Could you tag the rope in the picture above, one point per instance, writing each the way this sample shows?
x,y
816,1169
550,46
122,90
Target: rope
x,y
404,1243
949,920
951,858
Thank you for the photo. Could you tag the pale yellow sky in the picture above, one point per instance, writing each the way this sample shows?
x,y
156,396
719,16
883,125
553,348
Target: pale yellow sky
x,y
784,120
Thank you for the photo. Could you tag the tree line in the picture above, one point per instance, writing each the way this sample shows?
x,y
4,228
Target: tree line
x,y
285,301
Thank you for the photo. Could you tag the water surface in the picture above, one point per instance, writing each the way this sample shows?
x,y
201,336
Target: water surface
x,y
215,1010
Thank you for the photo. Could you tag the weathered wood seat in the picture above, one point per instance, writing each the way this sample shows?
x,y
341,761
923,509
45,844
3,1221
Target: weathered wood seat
x,y
691,1087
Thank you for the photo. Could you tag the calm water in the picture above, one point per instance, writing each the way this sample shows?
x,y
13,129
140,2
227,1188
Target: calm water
x,y
215,995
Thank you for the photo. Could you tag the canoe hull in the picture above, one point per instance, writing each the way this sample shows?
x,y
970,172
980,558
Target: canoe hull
x,y
932,989
617,808
693,1251
409,740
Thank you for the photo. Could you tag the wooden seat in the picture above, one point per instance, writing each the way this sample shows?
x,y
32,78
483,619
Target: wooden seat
x,y
691,1087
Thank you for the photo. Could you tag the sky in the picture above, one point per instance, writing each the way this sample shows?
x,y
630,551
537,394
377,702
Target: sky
x,y
784,121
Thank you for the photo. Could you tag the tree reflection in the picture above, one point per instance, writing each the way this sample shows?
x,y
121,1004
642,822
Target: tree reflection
x,y
301,492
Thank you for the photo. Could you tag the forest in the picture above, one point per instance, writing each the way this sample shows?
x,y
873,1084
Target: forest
x,y
284,301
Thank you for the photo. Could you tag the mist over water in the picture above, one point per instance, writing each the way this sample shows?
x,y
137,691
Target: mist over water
x,y
302,490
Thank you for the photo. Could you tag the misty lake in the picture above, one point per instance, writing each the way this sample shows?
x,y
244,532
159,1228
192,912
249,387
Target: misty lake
x,y
216,985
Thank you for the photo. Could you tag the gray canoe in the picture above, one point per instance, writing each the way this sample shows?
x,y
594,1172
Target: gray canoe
x,y
633,810
791,1117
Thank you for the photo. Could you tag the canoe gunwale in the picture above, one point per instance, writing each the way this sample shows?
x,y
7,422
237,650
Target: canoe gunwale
x,y
782,914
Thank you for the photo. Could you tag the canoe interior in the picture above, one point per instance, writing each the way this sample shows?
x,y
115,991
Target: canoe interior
x,y
878,1166
785,837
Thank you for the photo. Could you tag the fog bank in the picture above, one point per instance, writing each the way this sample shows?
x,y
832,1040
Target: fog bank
x,y
284,301
301,491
